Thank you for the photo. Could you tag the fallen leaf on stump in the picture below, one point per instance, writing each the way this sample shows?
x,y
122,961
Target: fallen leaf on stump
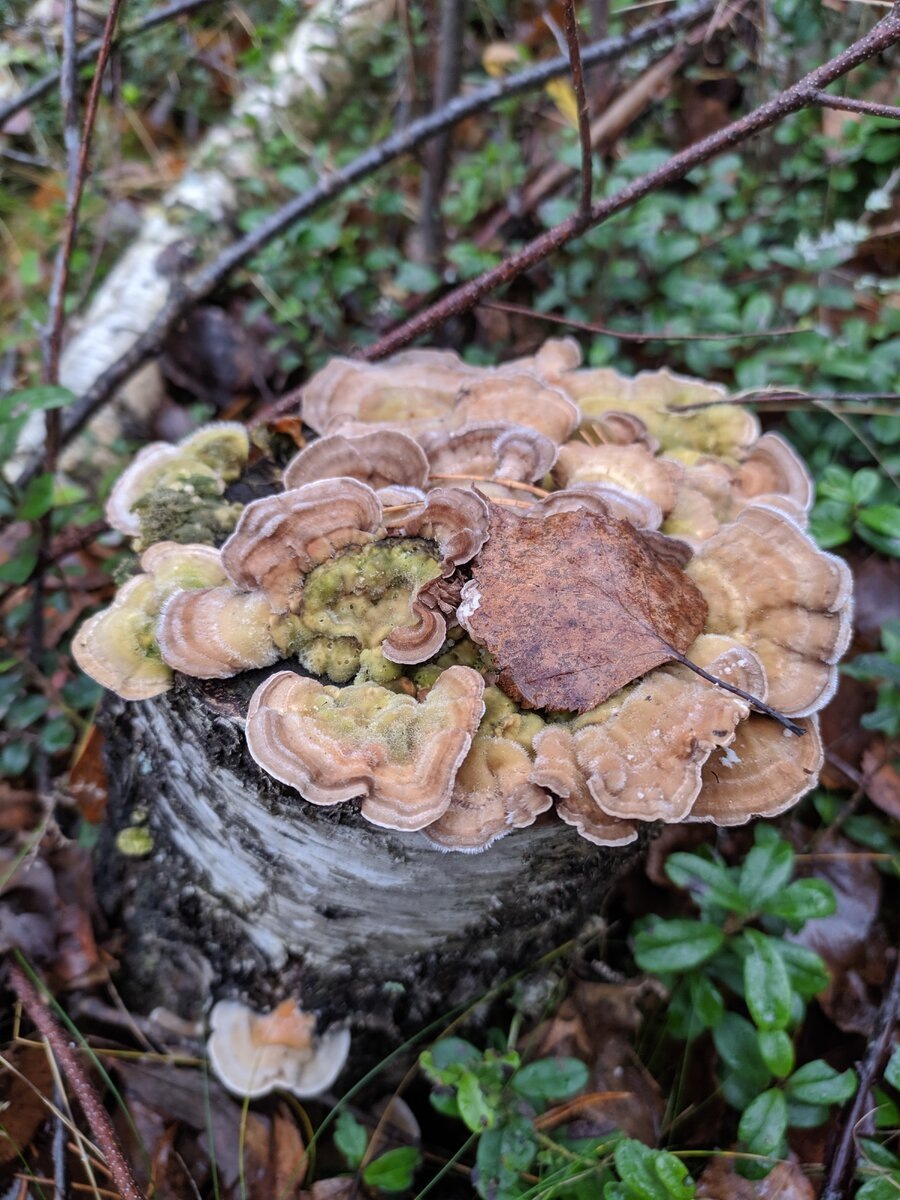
x,y
574,606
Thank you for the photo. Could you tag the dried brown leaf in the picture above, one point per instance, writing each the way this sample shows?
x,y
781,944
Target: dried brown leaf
x,y
786,1181
575,605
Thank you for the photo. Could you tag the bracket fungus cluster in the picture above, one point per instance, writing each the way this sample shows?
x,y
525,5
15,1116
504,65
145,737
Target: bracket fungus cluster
x,y
499,594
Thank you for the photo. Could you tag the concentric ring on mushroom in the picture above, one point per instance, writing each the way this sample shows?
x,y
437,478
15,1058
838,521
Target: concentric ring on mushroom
x,y
495,596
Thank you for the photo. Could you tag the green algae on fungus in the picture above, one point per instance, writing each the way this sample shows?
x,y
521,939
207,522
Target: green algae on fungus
x,y
399,755
119,647
189,509
170,482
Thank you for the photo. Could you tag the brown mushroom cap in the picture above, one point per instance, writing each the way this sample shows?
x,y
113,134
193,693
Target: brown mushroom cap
x,y
118,647
216,632
764,771
381,458
769,586
253,1054
410,392
643,750
493,795
490,450
281,538
630,468
519,398
422,390
457,519
602,498
334,744
773,468
556,768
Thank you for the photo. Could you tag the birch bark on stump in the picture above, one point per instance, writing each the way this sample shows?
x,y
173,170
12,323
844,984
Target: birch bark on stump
x,y
251,891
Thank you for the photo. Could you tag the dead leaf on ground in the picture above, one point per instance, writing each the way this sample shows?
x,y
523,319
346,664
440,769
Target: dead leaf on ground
x,y
881,779
786,1181
574,606
849,940
22,1111
88,783
590,1025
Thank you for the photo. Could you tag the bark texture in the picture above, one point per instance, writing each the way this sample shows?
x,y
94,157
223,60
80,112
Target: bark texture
x,y
251,891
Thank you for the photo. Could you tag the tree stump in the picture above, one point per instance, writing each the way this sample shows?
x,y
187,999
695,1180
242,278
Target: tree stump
x,y
251,891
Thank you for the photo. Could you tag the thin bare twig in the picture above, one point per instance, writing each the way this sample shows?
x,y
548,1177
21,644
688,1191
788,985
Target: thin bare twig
x,y
448,73
523,310
752,700
186,294
89,52
845,104
779,396
584,123
95,1114
78,175
800,95
842,1164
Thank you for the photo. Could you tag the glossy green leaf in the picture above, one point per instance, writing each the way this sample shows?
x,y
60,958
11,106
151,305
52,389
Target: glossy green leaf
x,y
818,1083
805,900
763,1124
351,1138
393,1171
767,988
777,1052
551,1079
676,945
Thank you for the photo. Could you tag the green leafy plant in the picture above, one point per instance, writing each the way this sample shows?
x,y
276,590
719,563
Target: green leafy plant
x,y
879,1165
497,1097
392,1171
859,502
884,668
733,973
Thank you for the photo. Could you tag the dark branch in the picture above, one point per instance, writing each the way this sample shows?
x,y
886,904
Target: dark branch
x,y
185,294
752,700
448,73
89,52
841,1170
584,124
844,104
627,336
801,95
789,396
96,1115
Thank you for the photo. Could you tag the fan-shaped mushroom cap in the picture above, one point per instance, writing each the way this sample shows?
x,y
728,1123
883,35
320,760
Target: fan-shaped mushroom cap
x,y
381,459
764,771
621,429
602,498
769,586
629,468
252,1054
643,750
724,430
456,518
519,398
216,632
334,744
410,392
556,768
492,796
774,469
118,646
281,538
216,452
422,390
555,356
490,450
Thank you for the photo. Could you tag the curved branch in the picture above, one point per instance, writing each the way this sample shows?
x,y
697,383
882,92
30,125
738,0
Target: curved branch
x,y
801,95
187,293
